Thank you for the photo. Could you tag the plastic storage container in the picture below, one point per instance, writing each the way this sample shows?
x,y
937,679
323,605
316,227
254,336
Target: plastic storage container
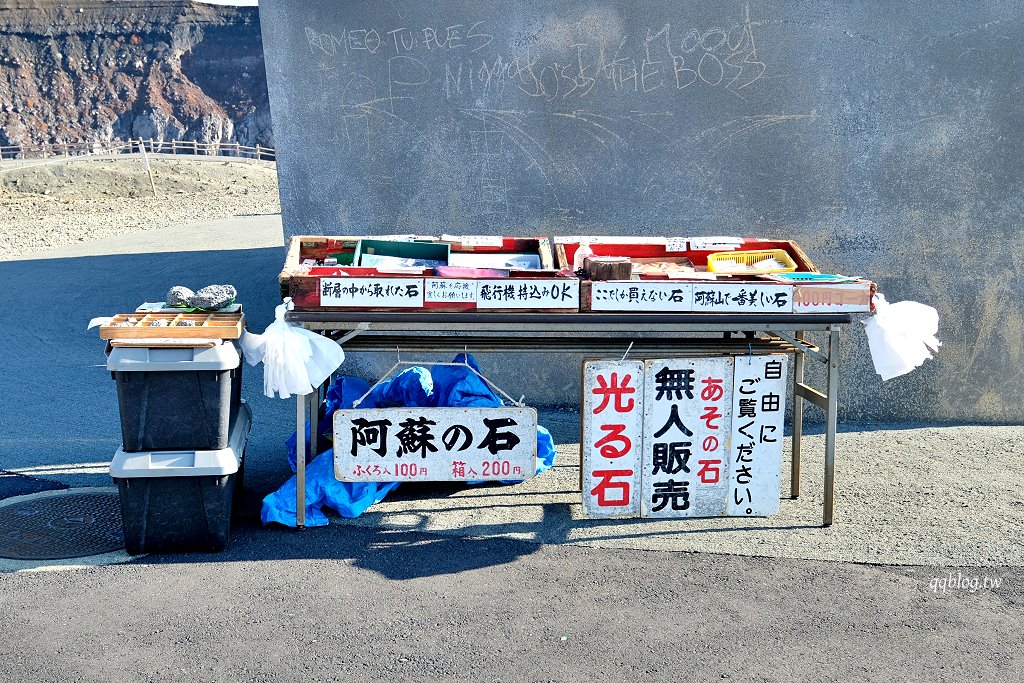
x,y
751,262
181,500
176,398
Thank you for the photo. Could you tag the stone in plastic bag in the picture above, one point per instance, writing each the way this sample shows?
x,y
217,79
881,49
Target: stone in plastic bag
x,y
178,297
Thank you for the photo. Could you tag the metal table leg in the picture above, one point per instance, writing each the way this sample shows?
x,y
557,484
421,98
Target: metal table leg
x,y
798,421
300,461
830,422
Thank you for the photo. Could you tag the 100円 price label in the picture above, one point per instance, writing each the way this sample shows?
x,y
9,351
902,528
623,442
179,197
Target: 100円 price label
x,y
435,444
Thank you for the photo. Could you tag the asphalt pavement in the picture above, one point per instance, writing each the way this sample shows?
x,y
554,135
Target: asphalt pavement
x,y
437,584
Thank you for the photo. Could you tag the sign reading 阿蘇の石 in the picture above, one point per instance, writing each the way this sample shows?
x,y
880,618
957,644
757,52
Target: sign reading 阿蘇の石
x,y
684,437
435,444
612,414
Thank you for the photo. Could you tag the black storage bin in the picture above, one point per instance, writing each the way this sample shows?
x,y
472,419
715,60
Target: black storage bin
x,y
176,398
181,500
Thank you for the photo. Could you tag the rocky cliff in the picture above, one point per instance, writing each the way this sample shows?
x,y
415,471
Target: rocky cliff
x,y
118,69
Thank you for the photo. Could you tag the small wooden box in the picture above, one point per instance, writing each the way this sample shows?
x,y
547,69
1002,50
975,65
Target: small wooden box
x,y
315,287
719,292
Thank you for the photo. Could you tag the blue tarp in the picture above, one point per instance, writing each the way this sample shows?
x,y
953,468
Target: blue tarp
x,y
418,387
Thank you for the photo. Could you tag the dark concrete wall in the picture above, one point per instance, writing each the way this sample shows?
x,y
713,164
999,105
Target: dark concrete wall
x,y
883,136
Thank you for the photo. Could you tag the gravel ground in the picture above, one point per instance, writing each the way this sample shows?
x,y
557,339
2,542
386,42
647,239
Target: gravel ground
x,y
903,497
59,204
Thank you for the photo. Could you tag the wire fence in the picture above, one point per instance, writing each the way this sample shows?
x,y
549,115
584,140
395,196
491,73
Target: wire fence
x,y
59,151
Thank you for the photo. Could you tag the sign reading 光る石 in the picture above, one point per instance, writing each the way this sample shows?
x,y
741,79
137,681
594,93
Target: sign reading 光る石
x,y
435,444
612,414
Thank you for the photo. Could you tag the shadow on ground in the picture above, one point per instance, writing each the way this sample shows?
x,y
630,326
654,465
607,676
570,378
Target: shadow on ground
x,y
395,554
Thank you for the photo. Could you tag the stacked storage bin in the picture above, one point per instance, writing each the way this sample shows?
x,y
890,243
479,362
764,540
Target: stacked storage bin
x,y
184,428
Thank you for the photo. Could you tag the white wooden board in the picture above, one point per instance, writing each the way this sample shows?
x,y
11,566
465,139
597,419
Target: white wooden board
x,y
742,298
759,408
641,296
435,444
450,290
687,411
835,298
539,293
612,415
371,291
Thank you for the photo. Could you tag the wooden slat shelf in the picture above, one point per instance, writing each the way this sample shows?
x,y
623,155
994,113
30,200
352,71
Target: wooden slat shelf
x,y
207,326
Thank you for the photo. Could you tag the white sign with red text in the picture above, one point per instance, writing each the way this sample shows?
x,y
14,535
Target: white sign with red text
x,y
683,437
612,414
688,406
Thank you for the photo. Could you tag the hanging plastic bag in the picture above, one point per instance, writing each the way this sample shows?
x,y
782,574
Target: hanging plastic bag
x,y
901,336
294,359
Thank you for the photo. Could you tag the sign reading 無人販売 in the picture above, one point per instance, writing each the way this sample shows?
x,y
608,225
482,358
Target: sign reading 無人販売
x,y
686,428
435,444
687,437
612,408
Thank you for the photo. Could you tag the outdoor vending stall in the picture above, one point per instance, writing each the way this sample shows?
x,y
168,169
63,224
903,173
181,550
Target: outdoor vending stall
x,y
687,342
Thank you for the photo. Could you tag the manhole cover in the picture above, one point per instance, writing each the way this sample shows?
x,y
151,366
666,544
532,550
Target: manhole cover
x,y
61,526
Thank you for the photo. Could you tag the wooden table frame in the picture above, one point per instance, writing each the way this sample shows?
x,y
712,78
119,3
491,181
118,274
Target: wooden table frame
x,y
587,333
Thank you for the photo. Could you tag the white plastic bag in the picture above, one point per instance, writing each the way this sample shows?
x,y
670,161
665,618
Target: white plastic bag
x,y
294,359
901,336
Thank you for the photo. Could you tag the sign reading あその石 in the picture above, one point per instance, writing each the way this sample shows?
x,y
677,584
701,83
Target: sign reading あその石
x,y
435,444
688,437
